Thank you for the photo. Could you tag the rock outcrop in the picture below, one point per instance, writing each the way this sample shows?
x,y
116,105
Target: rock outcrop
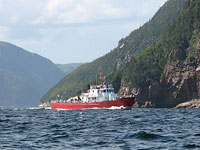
x,y
180,83
190,104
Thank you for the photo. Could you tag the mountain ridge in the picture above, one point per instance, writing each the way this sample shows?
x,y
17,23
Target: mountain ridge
x,y
68,68
115,60
25,76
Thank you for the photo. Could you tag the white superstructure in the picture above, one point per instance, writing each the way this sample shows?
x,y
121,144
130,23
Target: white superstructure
x,y
98,94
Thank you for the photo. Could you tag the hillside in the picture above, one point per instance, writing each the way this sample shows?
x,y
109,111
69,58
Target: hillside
x,y
167,73
127,48
68,68
24,76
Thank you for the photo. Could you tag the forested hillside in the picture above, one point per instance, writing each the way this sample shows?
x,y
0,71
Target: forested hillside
x,y
129,47
167,73
24,76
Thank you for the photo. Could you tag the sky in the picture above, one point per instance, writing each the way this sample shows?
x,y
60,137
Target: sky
x,y
72,31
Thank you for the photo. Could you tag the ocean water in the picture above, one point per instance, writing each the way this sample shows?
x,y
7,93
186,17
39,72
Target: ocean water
x,y
137,129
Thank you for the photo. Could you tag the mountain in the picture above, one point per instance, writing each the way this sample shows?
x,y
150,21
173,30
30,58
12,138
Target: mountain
x,y
167,73
68,68
115,60
24,76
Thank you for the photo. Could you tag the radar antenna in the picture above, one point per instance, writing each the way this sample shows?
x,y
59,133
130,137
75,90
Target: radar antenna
x,y
101,77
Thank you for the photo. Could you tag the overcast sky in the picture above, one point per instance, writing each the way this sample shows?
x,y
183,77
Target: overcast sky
x,y
69,31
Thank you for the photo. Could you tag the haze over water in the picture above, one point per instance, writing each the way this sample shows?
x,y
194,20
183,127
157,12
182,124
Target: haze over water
x,y
99,129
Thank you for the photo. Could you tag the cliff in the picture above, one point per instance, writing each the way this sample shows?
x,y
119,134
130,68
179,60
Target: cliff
x,y
168,73
180,83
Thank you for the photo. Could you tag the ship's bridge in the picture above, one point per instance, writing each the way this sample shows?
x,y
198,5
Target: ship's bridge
x,y
100,93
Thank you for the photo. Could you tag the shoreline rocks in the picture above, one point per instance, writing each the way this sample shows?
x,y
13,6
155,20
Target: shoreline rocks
x,y
195,103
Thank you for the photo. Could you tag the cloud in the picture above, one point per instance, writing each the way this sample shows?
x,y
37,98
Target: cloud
x,y
79,11
115,12
38,12
54,5
78,14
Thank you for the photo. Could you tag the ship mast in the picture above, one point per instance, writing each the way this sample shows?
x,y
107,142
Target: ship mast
x,y
101,77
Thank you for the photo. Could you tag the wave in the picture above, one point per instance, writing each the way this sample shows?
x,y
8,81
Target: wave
x,y
191,146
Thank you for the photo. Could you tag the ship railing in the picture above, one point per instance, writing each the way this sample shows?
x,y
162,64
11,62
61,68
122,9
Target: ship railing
x,y
58,101
67,101
125,96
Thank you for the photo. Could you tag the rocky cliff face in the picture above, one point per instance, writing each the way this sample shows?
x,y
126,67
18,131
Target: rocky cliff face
x,y
180,83
168,73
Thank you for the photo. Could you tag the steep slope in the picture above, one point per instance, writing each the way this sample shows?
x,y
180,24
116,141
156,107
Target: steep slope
x,y
127,48
167,73
68,68
24,76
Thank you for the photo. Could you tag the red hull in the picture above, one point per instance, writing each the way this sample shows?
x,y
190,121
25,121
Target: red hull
x,y
122,102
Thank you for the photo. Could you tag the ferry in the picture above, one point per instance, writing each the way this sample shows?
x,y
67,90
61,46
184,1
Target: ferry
x,y
97,97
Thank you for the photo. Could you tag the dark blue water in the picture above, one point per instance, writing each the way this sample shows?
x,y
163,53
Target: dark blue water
x,y
36,129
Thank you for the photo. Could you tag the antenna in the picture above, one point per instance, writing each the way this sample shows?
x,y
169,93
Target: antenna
x,y
101,77
96,79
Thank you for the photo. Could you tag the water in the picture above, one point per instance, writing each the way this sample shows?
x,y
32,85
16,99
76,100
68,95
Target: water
x,y
40,129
